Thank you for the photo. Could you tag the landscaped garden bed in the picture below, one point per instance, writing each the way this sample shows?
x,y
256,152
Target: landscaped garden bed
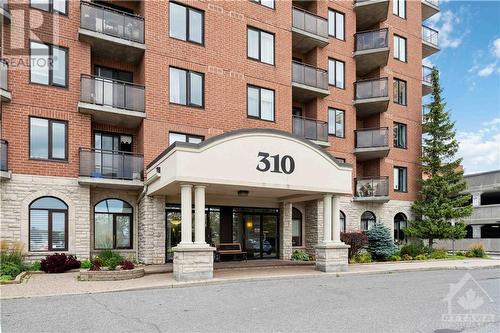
x,y
107,275
109,266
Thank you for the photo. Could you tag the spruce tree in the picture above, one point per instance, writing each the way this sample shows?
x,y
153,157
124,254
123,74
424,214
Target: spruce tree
x,y
441,198
380,243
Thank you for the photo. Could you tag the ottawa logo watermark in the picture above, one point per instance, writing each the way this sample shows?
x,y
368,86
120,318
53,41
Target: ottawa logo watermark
x,y
468,303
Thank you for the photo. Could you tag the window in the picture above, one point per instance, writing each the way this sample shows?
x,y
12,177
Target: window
x,y
343,225
266,3
336,122
399,135
48,229
186,87
174,137
48,64
260,45
336,74
400,48
368,220
186,23
399,91
340,160
296,227
113,225
55,6
260,103
336,24
399,8
400,179
48,139
113,141
399,226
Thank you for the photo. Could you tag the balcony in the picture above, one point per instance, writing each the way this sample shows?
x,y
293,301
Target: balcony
x,y
4,12
4,162
112,33
429,41
372,189
4,79
370,12
429,8
371,96
426,80
372,50
311,129
308,31
108,168
484,214
308,82
112,102
371,143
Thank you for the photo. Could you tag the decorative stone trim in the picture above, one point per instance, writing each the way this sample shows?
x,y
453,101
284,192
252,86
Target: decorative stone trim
x,y
19,278
193,263
86,275
332,257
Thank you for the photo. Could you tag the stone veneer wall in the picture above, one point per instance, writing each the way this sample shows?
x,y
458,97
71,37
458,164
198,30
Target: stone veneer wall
x,y
152,230
17,194
286,231
313,221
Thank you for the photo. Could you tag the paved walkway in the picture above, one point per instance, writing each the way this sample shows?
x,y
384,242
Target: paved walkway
x,y
67,284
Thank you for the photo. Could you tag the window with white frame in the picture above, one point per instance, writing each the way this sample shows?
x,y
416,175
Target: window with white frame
x,y
336,73
260,103
336,122
260,45
186,87
400,48
400,179
399,8
336,25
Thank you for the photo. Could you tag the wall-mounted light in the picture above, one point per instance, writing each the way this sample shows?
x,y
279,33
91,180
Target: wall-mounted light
x,y
249,224
243,193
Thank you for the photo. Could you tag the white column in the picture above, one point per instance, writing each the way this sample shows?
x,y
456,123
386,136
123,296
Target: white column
x,y
327,218
199,215
336,219
186,215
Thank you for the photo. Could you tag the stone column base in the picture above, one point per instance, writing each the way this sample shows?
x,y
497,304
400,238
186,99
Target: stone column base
x,y
332,257
193,263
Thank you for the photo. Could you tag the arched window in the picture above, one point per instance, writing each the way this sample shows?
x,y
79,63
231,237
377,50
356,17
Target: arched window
x,y
367,220
48,229
400,224
113,225
296,227
343,226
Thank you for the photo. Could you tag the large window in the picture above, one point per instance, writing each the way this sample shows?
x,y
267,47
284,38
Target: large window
x,y
113,228
260,45
400,48
336,24
368,220
186,23
48,64
399,92
56,6
181,137
48,229
48,139
399,8
336,73
266,3
336,122
260,103
400,179
343,222
186,87
400,222
400,135
296,227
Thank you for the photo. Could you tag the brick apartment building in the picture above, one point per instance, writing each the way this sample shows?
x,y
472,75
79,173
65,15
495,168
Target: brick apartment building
x,y
292,121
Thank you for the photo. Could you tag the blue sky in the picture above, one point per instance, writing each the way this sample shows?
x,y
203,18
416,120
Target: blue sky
x,y
469,64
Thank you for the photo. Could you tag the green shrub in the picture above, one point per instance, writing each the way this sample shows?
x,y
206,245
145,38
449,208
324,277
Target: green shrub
x,y
406,257
380,243
11,258
439,254
459,254
85,264
362,258
395,257
421,257
6,278
414,249
36,266
476,251
109,258
357,240
300,255
113,262
10,268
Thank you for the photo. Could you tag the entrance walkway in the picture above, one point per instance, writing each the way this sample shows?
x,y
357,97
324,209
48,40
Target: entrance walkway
x,y
66,284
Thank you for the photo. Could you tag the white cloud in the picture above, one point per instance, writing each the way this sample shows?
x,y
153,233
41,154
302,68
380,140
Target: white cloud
x,y
487,71
496,47
481,149
445,23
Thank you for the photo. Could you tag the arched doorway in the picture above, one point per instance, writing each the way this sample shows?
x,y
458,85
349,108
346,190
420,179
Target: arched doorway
x,y
113,225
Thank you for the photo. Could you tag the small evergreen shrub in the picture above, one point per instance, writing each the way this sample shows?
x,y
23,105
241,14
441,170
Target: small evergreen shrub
x,y
300,255
85,264
476,251
127,265
36,266
395,257
421,257
406,257
59,263
380,243
439,254
414,249
357,240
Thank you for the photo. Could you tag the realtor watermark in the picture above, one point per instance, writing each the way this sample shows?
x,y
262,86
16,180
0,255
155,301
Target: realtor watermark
x,y
468,302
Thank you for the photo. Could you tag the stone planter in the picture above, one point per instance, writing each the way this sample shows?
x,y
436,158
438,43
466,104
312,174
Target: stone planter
x,y
104,275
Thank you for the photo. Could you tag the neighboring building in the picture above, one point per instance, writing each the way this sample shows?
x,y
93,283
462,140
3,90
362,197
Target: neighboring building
x,y
277,108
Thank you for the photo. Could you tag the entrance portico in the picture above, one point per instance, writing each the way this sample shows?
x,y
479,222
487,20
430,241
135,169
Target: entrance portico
x,y
254,168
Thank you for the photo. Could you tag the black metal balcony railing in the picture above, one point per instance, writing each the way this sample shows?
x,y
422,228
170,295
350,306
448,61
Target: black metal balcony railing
x,y
309,22
373,88
4,72
372,187
98,163
373,39
4,153
427,74
309,75
430,35
111,22
311,129
114,93
433,2
372,137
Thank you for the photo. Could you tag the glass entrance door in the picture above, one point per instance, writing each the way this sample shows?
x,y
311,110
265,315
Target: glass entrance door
x,y
252,225
260,235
